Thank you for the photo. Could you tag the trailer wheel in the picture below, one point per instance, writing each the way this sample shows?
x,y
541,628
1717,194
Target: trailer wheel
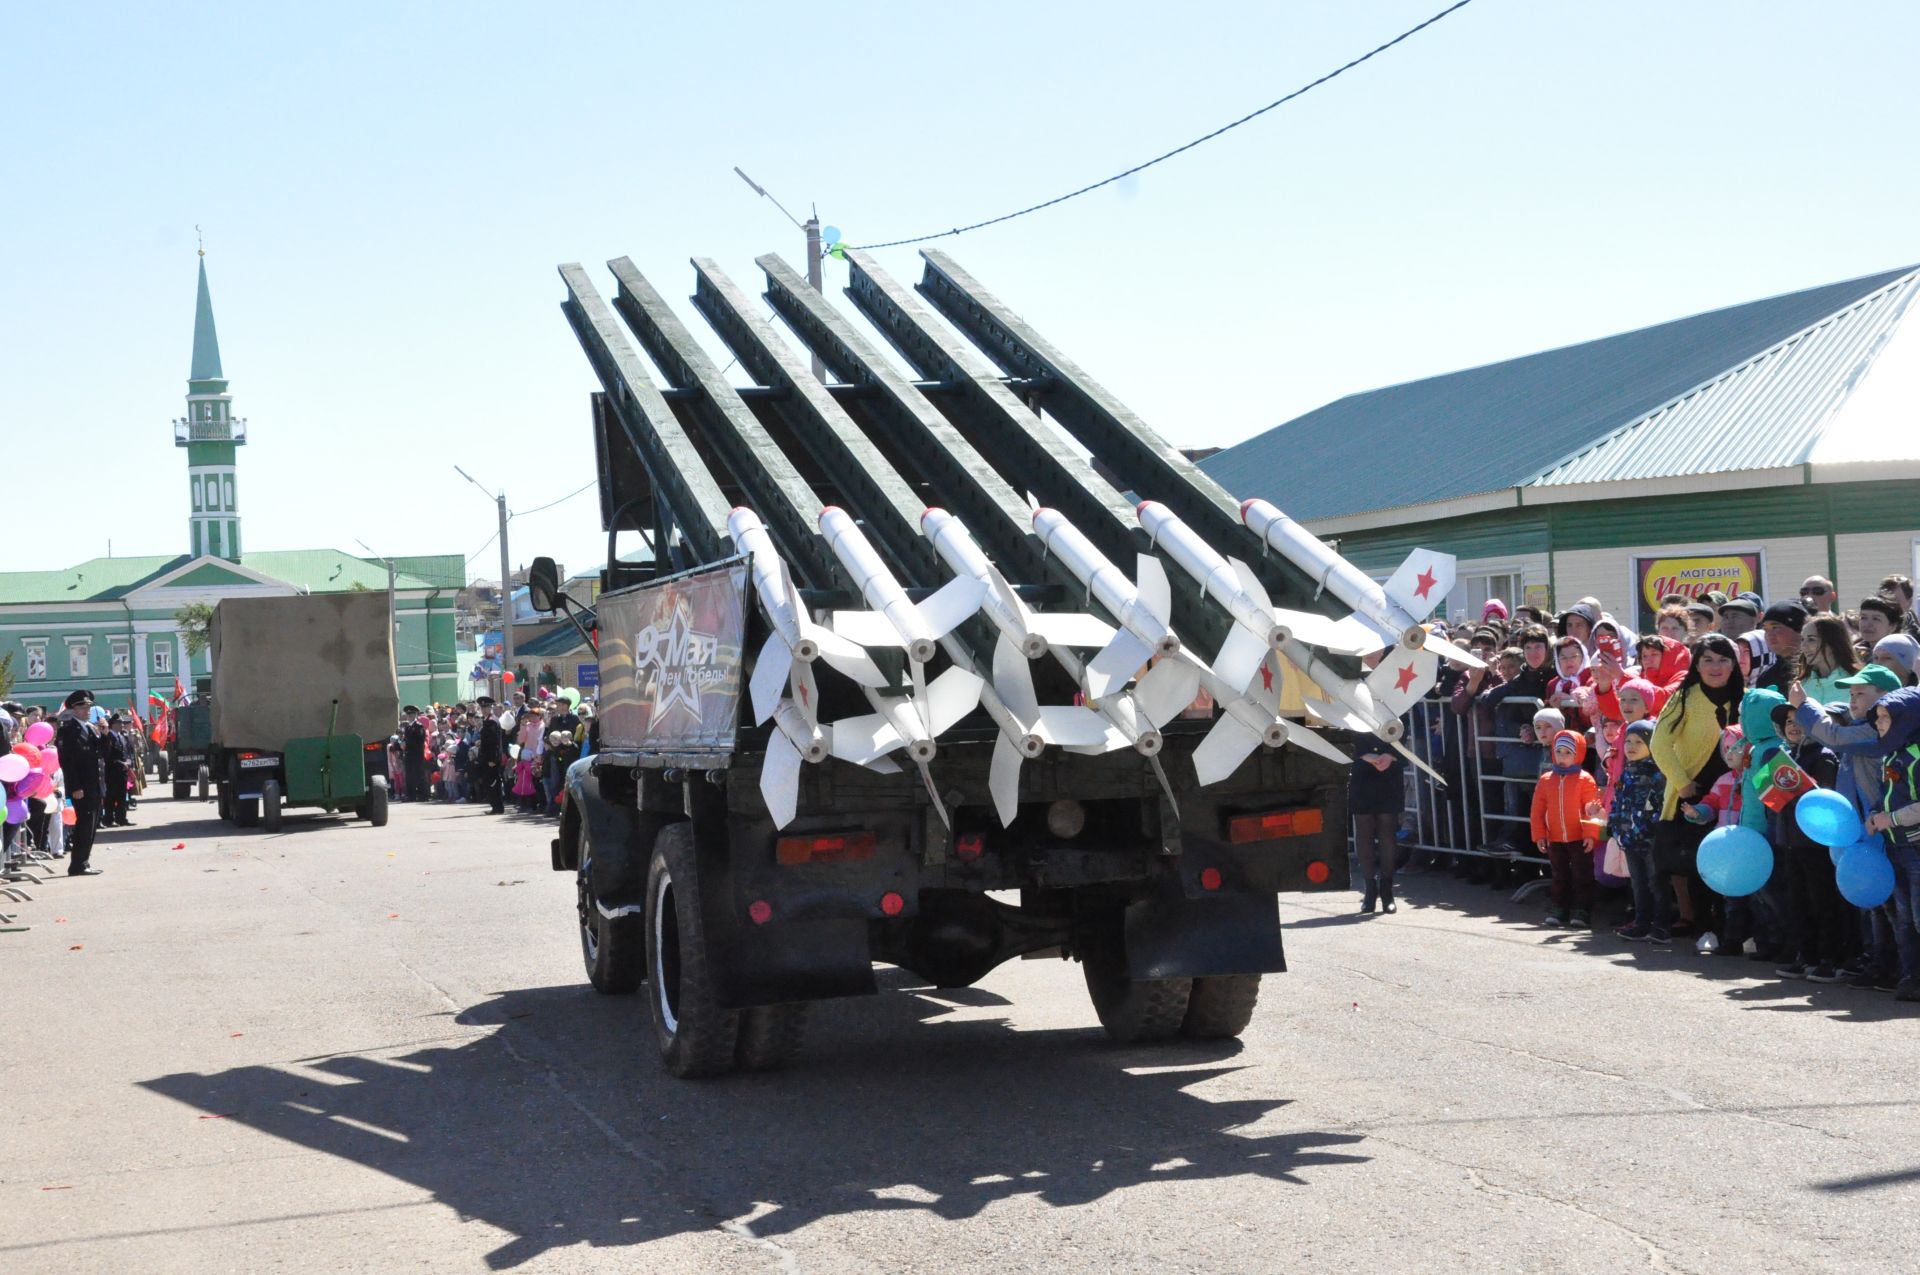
x,y
374,808
1133,1009
225,806
771,1036
695,1036
1221,1006
162,767
270,814
613,947
204,780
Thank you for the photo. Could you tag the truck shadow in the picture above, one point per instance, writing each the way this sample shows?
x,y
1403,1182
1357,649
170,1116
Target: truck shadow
x,y
558,1128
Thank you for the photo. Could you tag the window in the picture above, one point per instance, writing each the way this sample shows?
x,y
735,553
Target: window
x,y
196,495
79,660
37,661
163,658
227,485
1504,585
122,660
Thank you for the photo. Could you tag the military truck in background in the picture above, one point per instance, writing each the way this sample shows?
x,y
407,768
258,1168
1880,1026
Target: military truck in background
x,y
305,695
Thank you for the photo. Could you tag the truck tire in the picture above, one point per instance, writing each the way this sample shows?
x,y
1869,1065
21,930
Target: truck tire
x,y
163,769
182,791
1221,1006
1133,1010
204,779
224,806
373,808
270,814
245,813
695,1036
614,948
771,1036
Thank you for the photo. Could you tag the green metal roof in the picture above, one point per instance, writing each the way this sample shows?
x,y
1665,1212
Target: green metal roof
x,y
1500,426
110,579
561,638
439,570
206,343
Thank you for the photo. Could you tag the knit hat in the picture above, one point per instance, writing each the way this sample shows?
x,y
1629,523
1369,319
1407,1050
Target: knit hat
x,y
1649,694
1898,652
1494,607
1791,614
1643,728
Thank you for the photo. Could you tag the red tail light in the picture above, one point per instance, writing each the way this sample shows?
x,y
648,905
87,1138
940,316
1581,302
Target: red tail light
x,y
1210,878
1318,872
826,847
1275,824
248,755
761,911
376,748
892,904
969,845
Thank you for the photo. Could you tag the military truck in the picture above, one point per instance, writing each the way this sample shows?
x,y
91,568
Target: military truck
x,y
305,696
184,758
739,858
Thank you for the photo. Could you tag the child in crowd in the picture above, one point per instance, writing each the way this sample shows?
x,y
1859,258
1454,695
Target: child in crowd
x,y
1897,720
1818,924
1639,791
1565,798
1571,676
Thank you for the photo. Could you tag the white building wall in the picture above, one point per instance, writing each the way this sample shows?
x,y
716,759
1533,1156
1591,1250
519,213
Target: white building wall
x,y
1607,574
1866,558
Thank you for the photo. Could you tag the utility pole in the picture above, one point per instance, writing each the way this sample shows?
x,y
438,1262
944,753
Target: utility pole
x,y
811,229
506,587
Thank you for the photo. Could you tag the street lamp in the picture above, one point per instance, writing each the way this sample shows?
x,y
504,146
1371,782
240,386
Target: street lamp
x,y
811,229
506,584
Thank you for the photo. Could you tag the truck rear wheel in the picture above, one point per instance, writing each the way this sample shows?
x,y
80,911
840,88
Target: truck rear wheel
x,y
204,779
771,1036
1133,1009
162,767
374,808
182,791
613,947
245,813
1221,1006
695,1036
270,814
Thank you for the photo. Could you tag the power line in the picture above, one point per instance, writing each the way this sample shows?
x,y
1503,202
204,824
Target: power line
x,y
522,513
483,546
1224,128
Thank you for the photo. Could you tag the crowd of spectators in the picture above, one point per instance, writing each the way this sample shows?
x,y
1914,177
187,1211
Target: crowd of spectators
x,y
445,752
1595,755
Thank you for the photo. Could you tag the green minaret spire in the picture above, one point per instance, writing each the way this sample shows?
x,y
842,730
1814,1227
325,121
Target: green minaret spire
x,y
210,433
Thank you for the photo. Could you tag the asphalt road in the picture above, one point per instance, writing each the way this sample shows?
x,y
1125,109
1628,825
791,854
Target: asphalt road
x,y
346,1049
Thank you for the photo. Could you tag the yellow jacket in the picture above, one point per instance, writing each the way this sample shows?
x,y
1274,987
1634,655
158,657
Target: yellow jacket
x,y
1682,746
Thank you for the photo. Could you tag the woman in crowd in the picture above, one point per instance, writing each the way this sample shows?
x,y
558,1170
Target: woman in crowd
x,y
1686,748
1826,656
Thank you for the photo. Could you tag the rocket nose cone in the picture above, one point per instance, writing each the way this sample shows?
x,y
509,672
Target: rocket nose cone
x,y
929,512
1246,505
1140,510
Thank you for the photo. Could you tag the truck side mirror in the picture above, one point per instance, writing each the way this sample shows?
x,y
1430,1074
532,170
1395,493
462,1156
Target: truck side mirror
x,y
543,584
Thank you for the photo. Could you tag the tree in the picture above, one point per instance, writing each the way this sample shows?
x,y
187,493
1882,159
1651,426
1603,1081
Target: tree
x,y
6,675
196,626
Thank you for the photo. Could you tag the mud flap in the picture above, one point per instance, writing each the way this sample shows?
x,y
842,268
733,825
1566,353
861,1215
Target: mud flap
x,y
1169,935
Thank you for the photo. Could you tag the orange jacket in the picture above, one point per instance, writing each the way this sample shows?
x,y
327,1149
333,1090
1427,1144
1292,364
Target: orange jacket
x,y
1560,801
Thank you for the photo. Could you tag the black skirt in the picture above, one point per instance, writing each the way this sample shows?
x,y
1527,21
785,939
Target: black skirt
x,y
1675,842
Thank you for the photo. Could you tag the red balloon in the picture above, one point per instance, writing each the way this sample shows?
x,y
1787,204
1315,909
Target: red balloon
x,y
507,678
29,752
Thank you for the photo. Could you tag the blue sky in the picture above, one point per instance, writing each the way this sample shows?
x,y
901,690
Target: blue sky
x,y
386,190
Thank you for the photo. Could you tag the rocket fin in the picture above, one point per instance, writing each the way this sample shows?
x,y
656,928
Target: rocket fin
x,y
955,600
1225,747
1108,671
1339,715
1013,680
1305,737
780,779
1414,757
933,793
1440,646
884,766
868,628
1404,678
1166,689
1003,779
1422,583
1250,583
770,670
1152,588
865,739
1328,634
1240,656
1069,628
950,697
1265,690
806,693
1114,739
1066,725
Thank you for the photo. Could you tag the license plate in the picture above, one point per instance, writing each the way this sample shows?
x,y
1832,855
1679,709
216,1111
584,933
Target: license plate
x,y
258,763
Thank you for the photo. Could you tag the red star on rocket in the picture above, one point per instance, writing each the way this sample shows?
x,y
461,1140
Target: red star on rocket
x,y
1266,676
1404,678
1426,580
806,700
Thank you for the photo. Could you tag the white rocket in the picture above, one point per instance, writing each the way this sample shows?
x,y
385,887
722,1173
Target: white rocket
x,y
795,740
796,641
894,619
1026,725
1033,632
1382,613
1143,609
1249,719
1259,625
899,723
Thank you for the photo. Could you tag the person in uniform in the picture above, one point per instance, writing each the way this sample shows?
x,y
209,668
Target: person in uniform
x,y
79,747
413,752
489,758
113,773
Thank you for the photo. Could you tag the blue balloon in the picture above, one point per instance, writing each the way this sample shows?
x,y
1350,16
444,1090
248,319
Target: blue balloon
x,y
830,234
1871,841
1735,861
1864,875
1828,818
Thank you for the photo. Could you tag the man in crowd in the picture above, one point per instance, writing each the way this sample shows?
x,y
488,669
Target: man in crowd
x,y
413,751
1781,628
1880,616
1817,595
1738,616
489,759
114,761
79,747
